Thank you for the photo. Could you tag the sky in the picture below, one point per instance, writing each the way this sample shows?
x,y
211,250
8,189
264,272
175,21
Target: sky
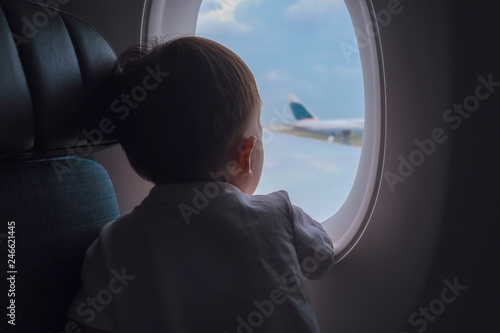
x,y
295,47
317,175
291,47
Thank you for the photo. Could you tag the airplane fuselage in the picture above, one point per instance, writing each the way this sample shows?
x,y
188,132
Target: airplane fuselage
x,y
336,128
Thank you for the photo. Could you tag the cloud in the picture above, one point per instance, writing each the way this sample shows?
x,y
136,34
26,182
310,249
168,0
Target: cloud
x,y
277,76
218,17
343,72
310,11
321,70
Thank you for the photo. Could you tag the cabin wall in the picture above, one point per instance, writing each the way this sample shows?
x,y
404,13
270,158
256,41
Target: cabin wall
x,y
125,18
377,286
469,247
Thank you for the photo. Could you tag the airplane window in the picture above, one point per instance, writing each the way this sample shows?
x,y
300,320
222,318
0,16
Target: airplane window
x,y
305,59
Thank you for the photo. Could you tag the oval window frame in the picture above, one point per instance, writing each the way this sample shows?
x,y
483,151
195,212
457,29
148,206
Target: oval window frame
x,y
347,225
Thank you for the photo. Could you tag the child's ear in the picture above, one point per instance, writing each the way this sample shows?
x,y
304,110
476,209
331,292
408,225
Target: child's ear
x,y
245,149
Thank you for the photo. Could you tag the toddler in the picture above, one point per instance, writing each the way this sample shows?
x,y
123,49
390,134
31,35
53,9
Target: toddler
x,y
201,253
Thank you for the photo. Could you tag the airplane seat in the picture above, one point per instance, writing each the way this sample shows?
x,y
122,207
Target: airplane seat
x,y
53,199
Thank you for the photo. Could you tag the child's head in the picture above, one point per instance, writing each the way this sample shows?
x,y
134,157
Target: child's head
x,y
186,108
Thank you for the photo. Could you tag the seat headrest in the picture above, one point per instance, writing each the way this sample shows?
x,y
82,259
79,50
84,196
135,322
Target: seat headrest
x,y
52,66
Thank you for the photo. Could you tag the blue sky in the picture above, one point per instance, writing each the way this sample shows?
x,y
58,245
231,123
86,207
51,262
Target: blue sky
x,y
291,47
295,47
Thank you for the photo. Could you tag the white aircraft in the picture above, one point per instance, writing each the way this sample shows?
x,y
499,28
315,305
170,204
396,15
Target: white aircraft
x,y
309,123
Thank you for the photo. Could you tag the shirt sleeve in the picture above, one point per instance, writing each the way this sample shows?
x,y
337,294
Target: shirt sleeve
x,y
313,245
92,305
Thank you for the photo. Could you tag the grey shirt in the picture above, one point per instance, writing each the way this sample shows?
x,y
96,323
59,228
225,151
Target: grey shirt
x,y
204,257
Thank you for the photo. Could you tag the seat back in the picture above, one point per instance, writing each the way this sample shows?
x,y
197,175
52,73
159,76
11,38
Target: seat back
x,y
53,201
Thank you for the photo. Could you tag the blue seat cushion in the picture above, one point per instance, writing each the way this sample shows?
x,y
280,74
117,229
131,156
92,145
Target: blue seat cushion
x,y
57,216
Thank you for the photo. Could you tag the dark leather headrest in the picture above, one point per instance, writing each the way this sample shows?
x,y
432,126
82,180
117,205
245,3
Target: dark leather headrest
x,y
52,67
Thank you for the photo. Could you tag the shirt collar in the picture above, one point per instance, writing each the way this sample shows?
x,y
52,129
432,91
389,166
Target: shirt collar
x,y
187,192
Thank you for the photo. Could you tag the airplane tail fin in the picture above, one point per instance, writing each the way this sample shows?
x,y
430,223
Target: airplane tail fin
x,y
300,112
